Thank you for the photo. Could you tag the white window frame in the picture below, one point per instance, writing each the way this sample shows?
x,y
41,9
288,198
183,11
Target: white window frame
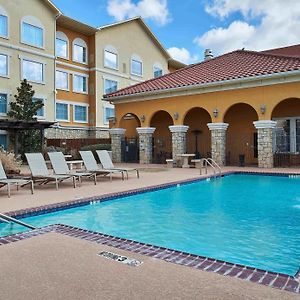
x,y
43,98
33,21
35,61
112,79
106,105
158,65
62,36
292,132
111,50
87,83
5,14
8,64
68,80
87,113
68,104
7,93
80,42
136,58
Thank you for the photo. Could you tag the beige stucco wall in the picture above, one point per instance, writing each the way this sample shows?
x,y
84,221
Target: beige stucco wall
x,y
128,39
16,10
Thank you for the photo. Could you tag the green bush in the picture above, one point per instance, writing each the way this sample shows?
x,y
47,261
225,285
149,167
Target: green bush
x,y
96,147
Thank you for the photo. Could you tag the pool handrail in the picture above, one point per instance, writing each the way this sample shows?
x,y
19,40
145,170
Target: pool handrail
x,y
13,220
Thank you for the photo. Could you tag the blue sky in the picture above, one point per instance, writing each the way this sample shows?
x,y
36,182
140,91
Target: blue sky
x,y
187,27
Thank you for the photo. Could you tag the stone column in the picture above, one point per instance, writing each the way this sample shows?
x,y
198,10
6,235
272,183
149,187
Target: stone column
x,y
218,142
145,144
178,139
265,131
117,135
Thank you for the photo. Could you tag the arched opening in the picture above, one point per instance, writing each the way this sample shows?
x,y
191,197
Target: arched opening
x,y
162,137
130,146
241,136
287,133
198,135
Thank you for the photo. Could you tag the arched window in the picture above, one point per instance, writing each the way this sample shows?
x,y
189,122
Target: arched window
x,y
136,65
80,51
157,70
110,57
3,23
32,32
62,45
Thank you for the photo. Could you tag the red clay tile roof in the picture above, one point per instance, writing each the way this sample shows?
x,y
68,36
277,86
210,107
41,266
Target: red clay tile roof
x,y
233,65
293,51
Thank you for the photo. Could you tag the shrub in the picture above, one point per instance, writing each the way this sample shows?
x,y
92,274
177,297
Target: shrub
x,y
96,147
11,163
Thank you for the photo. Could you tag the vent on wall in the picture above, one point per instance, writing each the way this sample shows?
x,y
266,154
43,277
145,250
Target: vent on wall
x,y
124,68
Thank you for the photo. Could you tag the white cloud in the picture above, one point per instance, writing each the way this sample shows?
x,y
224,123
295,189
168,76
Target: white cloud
x,y
183,55
155,10
275,25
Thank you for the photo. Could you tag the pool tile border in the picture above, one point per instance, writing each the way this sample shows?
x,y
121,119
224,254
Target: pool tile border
x,y
272,279
263,277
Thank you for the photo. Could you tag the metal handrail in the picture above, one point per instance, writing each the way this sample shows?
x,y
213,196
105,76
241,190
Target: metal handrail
x,y
216,165
13,220
212,164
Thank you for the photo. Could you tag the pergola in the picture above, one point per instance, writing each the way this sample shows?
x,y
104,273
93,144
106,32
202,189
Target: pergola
x,y
16,126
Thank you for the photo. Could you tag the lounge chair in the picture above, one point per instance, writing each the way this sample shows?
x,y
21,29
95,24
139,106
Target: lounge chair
x,y
39,171
60,166
107,163
91,165
8,182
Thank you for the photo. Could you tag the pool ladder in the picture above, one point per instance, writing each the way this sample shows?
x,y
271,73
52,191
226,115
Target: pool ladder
x,y
8,219
210,162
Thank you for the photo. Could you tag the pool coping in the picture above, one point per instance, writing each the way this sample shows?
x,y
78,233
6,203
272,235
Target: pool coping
x,y
264,277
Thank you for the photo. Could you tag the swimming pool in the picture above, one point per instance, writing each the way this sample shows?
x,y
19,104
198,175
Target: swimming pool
x,y
247,219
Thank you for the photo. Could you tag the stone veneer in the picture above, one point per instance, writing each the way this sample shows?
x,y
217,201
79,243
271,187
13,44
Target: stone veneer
x,y
265,132
218,142
178,140
117,135
73,133
145,144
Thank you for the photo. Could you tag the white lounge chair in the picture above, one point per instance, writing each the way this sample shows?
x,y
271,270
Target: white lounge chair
x,y
8,182
91,165
107,163
60,166
39,171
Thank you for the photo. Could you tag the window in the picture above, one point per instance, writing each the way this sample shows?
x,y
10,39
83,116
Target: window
x,y
79,51
61,48
62,111
157,71
80,113
40,112
3,65
110,86
287,135
32,32
79,83
3,104
109,112
136,66
3,141
110,58
33,71
62,80
3,26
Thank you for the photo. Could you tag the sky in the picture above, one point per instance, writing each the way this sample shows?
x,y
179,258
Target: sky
x,y
187,27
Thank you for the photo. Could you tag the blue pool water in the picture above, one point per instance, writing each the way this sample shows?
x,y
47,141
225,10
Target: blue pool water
x,y
246,219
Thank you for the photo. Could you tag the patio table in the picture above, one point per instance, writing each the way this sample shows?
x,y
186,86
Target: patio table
x,y
186,157
72,163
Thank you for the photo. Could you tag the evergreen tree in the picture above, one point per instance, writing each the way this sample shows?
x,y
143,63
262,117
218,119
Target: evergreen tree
x,y
24,108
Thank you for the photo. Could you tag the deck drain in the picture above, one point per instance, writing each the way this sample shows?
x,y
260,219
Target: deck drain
x,y
122,259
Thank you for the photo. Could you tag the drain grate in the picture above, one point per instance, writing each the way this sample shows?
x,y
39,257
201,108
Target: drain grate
x,y
120,258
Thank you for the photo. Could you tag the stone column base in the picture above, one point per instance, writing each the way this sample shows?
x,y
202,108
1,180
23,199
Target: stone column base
x,y
117,135
178,142
145,144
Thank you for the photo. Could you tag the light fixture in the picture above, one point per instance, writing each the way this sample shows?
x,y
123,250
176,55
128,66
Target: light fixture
x,y
143,118
216,112
263,108
176,115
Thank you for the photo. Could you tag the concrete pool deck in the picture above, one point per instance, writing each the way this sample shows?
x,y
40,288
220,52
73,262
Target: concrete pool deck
x,y
61,267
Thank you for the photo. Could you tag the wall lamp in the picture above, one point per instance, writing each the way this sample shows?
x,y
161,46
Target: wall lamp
x,y
263,108
143,118
176,115
216,112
